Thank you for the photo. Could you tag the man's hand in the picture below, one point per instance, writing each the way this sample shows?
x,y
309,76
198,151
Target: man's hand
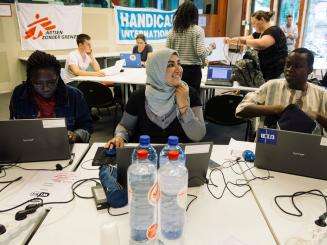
x,y
115,142
99,73
72,137
277,109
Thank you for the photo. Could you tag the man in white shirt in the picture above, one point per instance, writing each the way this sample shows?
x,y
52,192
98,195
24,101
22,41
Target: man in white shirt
x,y
291,33
80,60
275,95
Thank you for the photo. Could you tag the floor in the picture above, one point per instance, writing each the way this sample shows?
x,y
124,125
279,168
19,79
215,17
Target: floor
x,y
103,128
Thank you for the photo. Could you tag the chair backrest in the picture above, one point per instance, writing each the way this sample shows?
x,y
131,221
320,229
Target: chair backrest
x,y
96,94
220,109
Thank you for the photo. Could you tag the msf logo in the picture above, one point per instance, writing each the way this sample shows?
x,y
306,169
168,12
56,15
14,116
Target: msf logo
x,y
39,27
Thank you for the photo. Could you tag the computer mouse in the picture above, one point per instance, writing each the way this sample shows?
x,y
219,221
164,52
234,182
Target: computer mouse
x,y
248,156
2,229
110,152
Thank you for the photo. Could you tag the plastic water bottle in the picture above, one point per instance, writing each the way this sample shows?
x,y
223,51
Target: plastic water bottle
x,y
173,180
172,145
144,143
143,197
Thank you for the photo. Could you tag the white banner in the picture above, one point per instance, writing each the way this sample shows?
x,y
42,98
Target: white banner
x,y
48,26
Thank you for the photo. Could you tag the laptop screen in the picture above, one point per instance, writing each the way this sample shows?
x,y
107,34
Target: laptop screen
x,y
219,73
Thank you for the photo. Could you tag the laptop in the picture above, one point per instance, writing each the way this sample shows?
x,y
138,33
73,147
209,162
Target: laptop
x,y
131,60
197,161
33,140
219,75
292,153
113,70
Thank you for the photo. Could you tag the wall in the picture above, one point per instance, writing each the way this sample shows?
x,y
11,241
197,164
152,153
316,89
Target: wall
x,y
97,22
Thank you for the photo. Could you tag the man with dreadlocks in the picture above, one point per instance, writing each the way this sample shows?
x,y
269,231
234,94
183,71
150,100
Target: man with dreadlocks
x,y
45,95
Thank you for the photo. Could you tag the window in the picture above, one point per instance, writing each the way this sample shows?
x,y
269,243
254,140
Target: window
x,y
288,7
315,32
260,5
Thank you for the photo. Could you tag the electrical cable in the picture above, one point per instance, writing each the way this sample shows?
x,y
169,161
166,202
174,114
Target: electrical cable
x,y
114,215
8,183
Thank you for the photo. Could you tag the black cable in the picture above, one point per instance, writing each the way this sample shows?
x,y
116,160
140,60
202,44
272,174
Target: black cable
x,y
194,198
82,166
74,186
111,214
4,172
297,194
9,183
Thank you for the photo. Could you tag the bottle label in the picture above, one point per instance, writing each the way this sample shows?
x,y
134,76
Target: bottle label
x,y
154,194
182,198
151,232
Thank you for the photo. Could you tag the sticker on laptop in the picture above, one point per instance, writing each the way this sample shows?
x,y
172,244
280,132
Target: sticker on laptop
x,y
53,123
323,141
267,136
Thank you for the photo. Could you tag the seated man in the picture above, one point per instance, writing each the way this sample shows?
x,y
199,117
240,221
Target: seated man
x,y
79,60
274,96
45,95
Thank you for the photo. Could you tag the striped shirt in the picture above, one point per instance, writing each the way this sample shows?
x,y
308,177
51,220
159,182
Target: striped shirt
x,y
277,92
190,45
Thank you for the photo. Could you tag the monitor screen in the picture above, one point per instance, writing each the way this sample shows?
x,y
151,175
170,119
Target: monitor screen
x,y
219,72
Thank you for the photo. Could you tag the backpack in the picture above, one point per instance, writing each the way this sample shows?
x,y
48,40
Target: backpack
x,y
247,70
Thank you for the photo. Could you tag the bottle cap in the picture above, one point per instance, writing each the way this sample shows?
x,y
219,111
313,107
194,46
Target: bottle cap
x,y
144,140
142,154
173,140
173,155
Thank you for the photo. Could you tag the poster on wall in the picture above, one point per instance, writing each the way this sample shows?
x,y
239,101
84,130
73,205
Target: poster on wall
x,y
48,26
154,24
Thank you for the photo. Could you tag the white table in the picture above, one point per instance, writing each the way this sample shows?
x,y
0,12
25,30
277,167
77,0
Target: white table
x,y
283,226
209,221
12,173
137,76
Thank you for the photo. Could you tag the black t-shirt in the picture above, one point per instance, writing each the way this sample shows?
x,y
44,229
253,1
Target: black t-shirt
x,y
272,59
136,107
144,53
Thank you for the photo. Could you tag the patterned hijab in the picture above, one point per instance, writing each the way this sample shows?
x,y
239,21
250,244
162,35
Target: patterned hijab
x,y
159,95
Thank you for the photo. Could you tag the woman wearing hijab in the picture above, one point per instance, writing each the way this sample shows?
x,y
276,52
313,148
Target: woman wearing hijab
x,y
45,95
166,107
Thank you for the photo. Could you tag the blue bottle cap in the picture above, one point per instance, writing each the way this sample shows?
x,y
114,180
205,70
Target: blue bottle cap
x,y
173,140
144,140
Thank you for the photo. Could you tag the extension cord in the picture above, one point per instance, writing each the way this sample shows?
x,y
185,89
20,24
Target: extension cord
x,y
14,228
314,236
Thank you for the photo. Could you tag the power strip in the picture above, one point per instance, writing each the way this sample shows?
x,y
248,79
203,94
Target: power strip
x,y
14,228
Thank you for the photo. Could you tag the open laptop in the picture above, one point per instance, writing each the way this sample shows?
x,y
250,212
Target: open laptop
x,y
219,75
292,153
113,70
131,60
33,140
197,161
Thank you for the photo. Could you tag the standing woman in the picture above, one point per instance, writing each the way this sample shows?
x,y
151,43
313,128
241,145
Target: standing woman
x,y
142,48
269,41
187,38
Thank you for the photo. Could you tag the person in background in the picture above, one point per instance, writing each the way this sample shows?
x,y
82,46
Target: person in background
x,y
45,95
80,60
187,38
166,107
274,96
269,41
142,48
291,33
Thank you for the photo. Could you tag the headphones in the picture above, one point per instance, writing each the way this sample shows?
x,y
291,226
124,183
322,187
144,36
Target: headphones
x,y
248,156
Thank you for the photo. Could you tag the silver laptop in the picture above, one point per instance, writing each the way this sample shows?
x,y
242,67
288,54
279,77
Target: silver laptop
x,y
219,75
33,140
292,153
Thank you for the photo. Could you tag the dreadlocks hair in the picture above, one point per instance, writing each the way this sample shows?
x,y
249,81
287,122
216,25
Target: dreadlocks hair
x,y
185,16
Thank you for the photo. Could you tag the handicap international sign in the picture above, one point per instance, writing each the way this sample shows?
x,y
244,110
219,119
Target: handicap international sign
x,y
48,26
154,24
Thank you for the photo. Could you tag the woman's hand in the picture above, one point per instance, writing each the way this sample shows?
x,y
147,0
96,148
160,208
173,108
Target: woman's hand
x,y
182,97
115,142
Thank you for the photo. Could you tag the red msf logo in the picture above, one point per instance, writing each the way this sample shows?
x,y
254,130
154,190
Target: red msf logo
x,y
39,27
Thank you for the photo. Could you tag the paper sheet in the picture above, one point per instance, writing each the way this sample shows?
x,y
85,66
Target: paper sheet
x,y
236,147
49,185
221,49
